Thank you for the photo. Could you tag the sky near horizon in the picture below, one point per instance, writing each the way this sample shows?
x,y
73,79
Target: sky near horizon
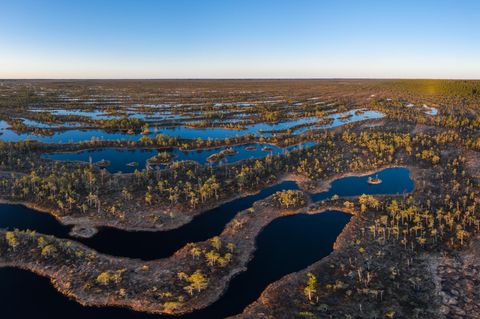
x,y
240,39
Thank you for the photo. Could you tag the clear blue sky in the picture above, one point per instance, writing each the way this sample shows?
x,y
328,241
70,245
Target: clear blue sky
x,y
239,38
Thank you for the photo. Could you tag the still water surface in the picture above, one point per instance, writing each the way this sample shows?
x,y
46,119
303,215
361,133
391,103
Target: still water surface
x,y
286,245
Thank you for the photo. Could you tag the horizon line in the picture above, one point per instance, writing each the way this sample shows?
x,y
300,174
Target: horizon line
x,y
240,79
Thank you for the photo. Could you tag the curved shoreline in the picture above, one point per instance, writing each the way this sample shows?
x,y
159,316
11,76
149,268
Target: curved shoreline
x,y
188,216
255,223
285,280
86,222
346,248
61,275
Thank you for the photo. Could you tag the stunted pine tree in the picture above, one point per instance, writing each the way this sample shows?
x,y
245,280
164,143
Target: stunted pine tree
x,y
311,286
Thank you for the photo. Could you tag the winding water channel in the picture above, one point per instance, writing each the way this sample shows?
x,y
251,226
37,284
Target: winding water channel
x,y
286,245
259,129
120,159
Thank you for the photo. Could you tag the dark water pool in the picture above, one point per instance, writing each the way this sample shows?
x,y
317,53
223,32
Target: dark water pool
x,y
286,245
24,295
138,244
119,158
394,181
23,218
